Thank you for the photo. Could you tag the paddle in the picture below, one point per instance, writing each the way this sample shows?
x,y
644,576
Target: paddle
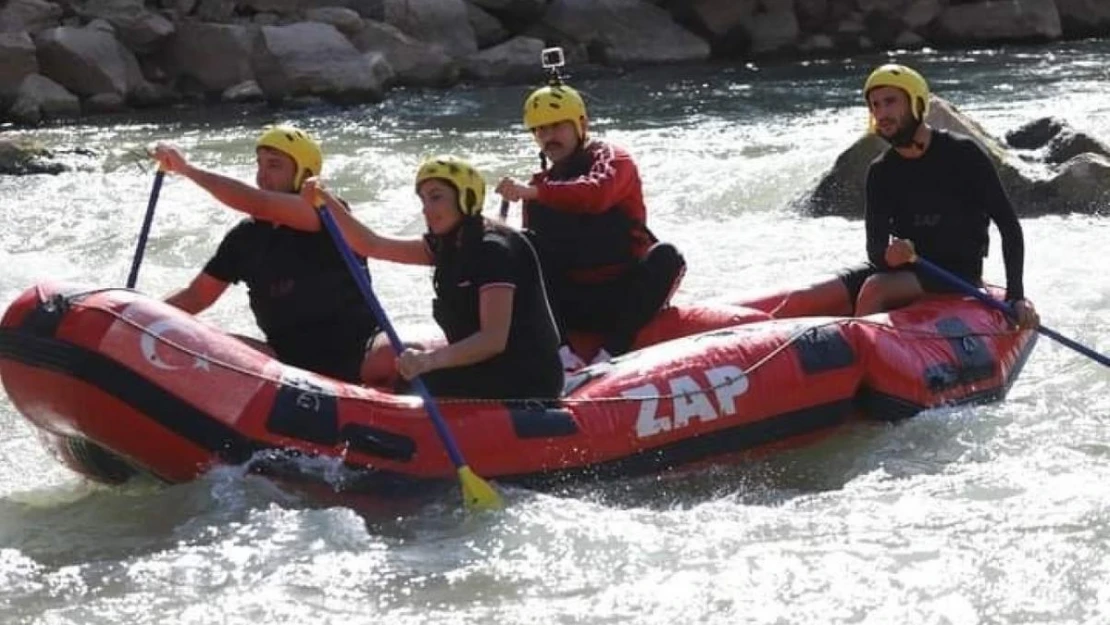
x,y
1005,308
133,276
477,493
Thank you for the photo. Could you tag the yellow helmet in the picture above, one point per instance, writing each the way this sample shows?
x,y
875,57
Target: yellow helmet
x,y
904,78
553,104
468,183
297,145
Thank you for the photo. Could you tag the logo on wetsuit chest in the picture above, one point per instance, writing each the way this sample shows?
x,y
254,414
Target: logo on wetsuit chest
x,y
930,220
281,288
685,400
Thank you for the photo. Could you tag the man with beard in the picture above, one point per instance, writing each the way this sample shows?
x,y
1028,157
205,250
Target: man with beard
x,y
933,193
606,272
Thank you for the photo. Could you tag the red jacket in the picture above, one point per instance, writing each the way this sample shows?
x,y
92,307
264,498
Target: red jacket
x,y
599,179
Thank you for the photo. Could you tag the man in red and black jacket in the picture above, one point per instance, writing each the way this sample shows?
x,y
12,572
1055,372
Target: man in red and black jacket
x,y
605,270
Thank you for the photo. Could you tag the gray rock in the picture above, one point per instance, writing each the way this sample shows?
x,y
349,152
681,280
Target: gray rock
x,y
87,61
520,10
29,16
21,157
139,29
104,103
1084,18
621,32
514,60
488,31
1036,20
39,97
775,29
247,91
215,10
281,7
1068,144
369,9
313,59
1081,186
18,52
212,56
415,63
1035,134
346,20
442,22
920,13
811,14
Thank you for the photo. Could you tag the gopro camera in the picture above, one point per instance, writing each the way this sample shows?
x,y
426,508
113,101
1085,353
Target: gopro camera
x,y
552,58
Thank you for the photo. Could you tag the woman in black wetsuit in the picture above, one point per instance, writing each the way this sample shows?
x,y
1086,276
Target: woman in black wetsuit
x,y
490,301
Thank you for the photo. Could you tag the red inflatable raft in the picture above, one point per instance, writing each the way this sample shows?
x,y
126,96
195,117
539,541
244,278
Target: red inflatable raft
x,y
118,382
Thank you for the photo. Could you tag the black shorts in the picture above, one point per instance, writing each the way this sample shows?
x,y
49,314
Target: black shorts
x,y
336,352
854,277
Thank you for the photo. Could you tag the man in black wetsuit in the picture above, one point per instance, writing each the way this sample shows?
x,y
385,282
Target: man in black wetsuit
x,y
932,193
302,295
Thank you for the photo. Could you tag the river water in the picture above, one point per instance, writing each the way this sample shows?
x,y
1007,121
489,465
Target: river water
x,y
994,514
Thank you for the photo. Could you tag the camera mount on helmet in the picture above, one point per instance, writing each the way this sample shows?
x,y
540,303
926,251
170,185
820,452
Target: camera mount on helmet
x,y
552,60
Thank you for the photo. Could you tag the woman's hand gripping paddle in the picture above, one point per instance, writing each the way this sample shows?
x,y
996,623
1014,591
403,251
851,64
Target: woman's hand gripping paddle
x,y
477,493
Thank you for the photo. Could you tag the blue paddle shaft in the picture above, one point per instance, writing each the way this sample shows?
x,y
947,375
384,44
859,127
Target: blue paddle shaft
x,y
133,275
1007,310
362,279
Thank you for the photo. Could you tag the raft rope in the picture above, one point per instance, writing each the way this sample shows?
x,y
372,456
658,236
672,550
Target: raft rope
x,y
910,333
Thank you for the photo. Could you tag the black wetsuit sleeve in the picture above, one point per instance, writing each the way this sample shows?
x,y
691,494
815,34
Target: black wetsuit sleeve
x,y
996,204
229,262
496,263
876,219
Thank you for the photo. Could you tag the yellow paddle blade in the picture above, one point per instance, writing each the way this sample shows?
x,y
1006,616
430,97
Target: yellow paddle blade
x,y
477,493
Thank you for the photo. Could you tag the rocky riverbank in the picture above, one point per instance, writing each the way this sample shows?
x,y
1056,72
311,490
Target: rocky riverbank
x,y
68,58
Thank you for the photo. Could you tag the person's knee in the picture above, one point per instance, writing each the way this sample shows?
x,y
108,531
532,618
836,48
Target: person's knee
x,y
887,291
665,265
665,257
870,297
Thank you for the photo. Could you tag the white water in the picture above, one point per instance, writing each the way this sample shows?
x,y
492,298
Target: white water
x,y
995,514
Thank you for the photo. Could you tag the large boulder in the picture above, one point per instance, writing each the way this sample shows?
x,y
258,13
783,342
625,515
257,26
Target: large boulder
x,y
40,98
29,15
441,22
1069,143
88,61
1054,141
139,29
18,52
1032,181
1084,18
1028,20
775,28
514,60
347,21
621,32
311,58
211,57
727,24
414,63
488,31
1035,134
1081,186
